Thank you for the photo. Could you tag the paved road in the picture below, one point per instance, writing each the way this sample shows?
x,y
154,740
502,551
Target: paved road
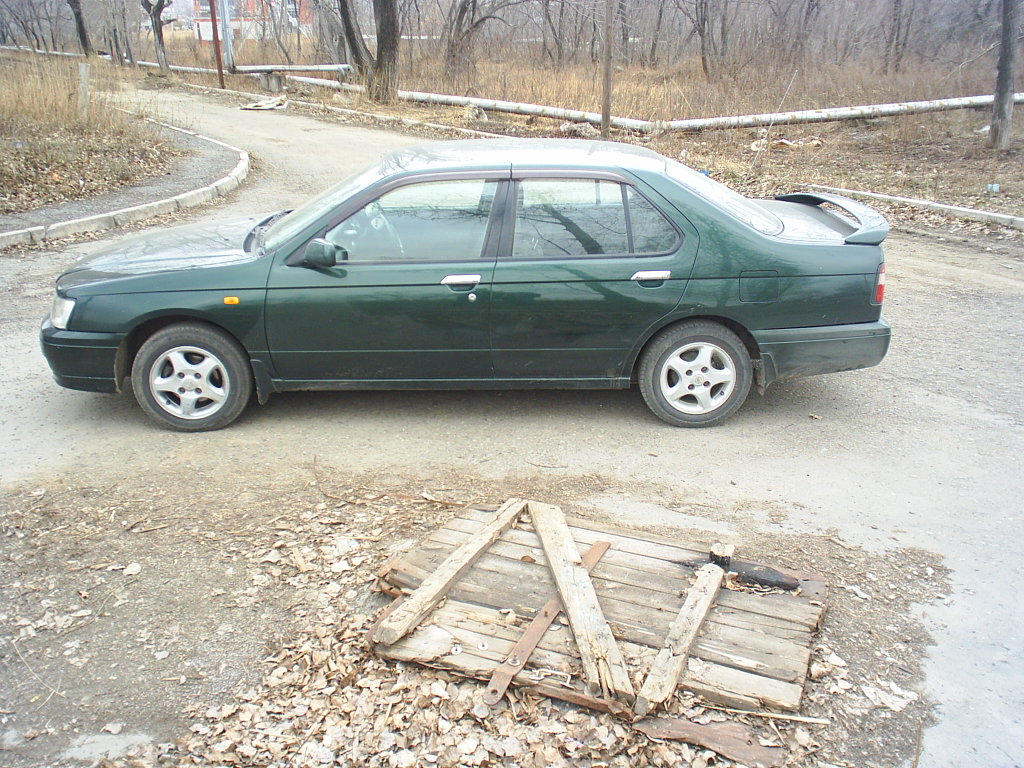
x,y
923,451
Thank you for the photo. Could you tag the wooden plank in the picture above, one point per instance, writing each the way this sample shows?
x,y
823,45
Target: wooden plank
x,y
623,540
585,531
654,588
702,676
664,674
483,640
649,574
773,653
411,612
602,661
520,654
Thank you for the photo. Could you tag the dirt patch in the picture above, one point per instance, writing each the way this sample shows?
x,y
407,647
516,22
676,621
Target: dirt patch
x,y
219,620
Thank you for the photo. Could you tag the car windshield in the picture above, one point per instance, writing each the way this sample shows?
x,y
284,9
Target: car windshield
x,y
288,226
730,201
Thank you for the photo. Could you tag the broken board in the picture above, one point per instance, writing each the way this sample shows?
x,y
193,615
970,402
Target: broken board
x,y
749,650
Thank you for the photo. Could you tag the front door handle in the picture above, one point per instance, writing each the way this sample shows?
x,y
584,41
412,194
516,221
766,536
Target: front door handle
x,y
460,282
651,275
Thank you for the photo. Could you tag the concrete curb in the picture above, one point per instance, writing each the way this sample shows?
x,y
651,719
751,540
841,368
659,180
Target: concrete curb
x,y
136,213
974,214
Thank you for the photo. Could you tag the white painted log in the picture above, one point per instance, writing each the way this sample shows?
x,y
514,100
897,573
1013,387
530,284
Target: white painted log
x,y
957,211
831,114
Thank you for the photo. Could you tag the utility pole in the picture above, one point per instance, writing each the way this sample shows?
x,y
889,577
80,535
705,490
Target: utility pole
x,y
226,35
216,43
606,84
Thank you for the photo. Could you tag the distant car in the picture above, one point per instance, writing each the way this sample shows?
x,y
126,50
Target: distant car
x,y
483,264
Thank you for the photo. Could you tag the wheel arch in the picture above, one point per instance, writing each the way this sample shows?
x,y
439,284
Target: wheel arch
x,y
133,341
738,328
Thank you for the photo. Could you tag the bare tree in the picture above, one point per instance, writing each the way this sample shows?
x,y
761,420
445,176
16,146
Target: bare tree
x,y
83,33
380,69
154,9
463,24
897,34
1002,110
383,81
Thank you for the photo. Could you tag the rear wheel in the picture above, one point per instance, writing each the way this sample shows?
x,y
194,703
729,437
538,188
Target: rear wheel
x,y
695,374
192,378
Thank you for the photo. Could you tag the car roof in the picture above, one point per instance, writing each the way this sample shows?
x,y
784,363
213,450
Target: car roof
x,y
521,153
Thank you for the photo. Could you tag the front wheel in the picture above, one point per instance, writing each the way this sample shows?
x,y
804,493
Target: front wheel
x,y
695,374
192,378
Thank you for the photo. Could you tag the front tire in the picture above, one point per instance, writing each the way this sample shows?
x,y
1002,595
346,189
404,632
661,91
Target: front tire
x,y
192,377
695,374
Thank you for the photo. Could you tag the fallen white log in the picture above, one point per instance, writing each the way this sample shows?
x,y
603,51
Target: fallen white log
x,y
260,68
495,105
831,114
990,217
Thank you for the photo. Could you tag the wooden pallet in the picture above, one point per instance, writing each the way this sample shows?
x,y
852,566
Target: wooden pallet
x,y
469,590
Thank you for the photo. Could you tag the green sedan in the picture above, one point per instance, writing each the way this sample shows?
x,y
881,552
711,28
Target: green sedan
x,y
483,264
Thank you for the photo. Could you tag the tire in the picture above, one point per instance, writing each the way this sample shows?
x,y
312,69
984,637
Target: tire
x,y
192,377
695,374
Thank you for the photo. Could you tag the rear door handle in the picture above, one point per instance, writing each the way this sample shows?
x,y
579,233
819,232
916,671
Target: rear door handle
x,y
651,275
454,281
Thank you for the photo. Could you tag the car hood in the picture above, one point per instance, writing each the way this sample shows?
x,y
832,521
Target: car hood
x,y
194,246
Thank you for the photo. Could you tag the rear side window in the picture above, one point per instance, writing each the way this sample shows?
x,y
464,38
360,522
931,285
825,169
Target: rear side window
x,y
651,231
565,218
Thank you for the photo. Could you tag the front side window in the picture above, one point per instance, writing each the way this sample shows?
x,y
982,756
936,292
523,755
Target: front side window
x,y
432,221
558,218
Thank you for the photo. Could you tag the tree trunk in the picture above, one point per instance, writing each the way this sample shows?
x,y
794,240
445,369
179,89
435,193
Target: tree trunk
x,y
359,54
383,81
652,54
1002,109
83,33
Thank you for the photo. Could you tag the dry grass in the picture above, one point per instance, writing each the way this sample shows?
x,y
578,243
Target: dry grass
x,y
49,153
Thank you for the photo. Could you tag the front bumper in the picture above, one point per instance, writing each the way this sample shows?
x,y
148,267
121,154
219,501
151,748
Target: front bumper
x,y
788,353
81,360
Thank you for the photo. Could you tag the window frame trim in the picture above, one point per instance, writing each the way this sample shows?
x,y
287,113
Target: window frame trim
x,y
376,191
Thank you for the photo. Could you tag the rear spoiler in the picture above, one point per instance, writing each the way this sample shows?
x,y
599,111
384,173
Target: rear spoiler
x,y
872,227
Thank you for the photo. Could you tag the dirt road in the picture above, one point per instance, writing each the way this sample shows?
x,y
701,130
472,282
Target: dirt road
x,y
919,458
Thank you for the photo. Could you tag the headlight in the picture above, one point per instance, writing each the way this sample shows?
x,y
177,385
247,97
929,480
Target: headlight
x,y
60,313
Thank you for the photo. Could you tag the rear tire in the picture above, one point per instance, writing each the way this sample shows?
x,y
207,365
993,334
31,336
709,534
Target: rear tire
x,y
192,377
695,374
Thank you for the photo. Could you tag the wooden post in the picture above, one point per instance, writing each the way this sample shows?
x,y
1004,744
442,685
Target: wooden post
x,y
663,677
606,81
1001,129
216,43
83,90
405,615
602,660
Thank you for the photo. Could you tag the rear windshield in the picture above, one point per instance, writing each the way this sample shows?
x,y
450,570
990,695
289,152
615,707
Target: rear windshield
x,y
728,200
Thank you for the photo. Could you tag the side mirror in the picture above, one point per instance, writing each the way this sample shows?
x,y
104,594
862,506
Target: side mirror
x,y
322,253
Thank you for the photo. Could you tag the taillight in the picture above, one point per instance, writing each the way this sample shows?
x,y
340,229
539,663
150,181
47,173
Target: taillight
x,y
880,285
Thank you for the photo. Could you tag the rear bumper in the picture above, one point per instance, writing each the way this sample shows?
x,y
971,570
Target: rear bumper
x,y
81,360
788,353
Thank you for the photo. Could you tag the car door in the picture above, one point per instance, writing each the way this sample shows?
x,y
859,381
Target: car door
x,y
590,265
408,298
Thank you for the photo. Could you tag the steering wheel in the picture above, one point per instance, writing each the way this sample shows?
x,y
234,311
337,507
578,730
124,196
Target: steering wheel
x,y
367,233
